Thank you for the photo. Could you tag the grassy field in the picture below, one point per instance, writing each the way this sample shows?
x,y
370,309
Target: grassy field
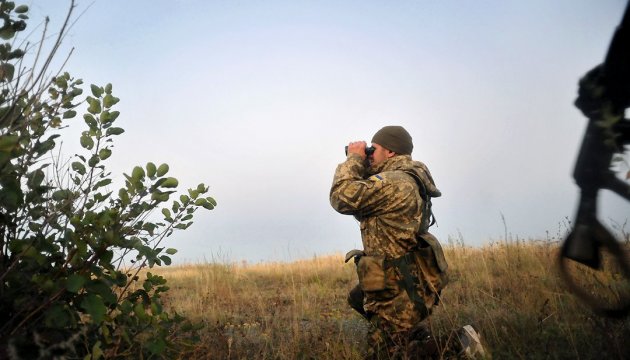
x,y
511,292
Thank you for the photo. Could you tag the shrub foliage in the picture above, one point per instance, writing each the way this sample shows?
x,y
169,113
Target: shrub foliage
x,y
71,248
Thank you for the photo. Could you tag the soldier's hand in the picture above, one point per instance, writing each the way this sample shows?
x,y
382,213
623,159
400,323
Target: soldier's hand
x,y
357,147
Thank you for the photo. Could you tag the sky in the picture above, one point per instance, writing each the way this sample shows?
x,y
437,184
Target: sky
x,y
257,100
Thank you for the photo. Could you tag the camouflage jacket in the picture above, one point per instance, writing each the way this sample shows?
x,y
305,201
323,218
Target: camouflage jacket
x,y
386,200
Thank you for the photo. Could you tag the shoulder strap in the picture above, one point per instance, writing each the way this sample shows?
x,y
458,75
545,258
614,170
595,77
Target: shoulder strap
x,y
409,282
424,194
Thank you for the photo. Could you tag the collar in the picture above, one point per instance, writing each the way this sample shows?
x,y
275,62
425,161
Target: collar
x,y
397,162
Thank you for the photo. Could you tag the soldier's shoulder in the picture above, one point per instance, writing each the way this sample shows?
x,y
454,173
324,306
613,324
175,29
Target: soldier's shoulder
x,y
395,175
390,177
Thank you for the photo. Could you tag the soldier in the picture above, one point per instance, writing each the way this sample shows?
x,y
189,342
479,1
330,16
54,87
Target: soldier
x,y
401,268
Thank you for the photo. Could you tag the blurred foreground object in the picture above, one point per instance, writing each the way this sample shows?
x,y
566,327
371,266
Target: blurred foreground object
x,y
603,97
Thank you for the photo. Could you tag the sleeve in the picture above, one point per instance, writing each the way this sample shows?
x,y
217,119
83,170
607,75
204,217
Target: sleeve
x,y
352,195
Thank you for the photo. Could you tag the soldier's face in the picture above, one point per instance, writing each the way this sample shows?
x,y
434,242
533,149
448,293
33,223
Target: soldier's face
x,y
380,154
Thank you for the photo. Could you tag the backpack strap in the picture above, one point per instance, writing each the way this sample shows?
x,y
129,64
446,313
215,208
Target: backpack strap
x,y
409,282
426,197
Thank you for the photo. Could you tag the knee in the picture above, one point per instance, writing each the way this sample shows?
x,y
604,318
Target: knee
x,y
355,300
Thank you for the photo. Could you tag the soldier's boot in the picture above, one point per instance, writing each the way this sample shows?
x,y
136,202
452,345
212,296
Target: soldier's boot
x,y
470,342
427,348
423,345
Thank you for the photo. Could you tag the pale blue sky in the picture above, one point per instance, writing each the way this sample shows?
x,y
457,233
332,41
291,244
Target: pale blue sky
x,y
258,98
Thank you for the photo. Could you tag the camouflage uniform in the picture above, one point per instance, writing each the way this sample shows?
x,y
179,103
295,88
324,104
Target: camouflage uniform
x,y
386,200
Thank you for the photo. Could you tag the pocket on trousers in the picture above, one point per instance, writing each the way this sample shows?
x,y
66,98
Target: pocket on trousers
x,y
371,272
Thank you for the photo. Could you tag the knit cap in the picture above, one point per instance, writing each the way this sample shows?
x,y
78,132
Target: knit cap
x,y
394,138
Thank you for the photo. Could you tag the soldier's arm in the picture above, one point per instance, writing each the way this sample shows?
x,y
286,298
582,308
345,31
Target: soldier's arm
x,y
351,194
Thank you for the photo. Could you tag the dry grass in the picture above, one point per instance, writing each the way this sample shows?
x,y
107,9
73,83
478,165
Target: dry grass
x,y
511,292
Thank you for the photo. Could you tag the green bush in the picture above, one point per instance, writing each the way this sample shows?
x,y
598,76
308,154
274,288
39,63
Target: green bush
x,y
71,249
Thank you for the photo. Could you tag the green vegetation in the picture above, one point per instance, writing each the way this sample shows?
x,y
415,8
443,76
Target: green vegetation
x,y
71,249
81,275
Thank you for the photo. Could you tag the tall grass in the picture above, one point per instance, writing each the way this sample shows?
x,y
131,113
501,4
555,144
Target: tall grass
x,y
510,291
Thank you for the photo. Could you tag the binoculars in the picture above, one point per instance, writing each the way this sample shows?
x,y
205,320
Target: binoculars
x,y
368,150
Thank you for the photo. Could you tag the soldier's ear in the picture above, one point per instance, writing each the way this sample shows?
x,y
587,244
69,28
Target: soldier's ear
x,y
390,154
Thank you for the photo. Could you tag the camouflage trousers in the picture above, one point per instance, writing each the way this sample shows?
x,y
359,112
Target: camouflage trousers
x,y
399,329
399,306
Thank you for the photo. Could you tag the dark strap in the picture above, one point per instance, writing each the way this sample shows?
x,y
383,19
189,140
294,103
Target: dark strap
x,y
408,281
426,197
431,214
